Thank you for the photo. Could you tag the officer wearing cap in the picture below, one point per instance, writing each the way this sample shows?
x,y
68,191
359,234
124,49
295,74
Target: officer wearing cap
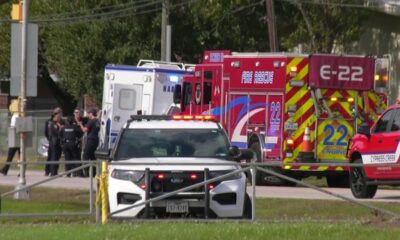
x,y
91,129
71,135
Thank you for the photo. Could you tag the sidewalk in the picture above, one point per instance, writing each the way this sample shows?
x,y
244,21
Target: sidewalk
x,y
35,176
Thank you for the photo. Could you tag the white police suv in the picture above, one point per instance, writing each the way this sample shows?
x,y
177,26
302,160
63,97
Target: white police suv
x,y
157,155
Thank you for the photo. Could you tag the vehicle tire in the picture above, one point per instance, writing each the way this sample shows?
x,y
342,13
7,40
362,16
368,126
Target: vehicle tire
x,y
263,178
255,146
338,181
247,211
358,183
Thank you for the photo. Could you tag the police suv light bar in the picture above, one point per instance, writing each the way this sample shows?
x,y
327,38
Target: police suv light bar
x,y
173,117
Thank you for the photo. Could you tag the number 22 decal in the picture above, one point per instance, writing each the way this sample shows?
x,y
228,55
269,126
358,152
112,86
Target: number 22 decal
x,y
275,113
331,131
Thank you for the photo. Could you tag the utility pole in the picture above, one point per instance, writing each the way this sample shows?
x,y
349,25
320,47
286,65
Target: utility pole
x,y
272,36
23,194
164,23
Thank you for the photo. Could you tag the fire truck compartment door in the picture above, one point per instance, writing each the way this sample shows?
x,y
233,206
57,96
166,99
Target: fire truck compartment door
x,y
127,100
332,138
243,111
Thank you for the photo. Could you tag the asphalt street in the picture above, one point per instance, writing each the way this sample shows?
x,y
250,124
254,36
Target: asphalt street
x,y
383,195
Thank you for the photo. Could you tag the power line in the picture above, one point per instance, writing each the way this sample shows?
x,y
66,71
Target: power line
x,y
121,12
337,4
99,9
110,14
233,11
136,8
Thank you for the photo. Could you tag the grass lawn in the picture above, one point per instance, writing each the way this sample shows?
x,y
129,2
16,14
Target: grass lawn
x,y
287,231
276,219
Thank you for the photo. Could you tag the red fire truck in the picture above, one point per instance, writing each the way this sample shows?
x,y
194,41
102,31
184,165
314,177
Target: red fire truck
x,y
266,101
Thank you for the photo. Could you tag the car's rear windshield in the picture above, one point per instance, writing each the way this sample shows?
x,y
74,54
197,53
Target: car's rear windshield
x,y
138,143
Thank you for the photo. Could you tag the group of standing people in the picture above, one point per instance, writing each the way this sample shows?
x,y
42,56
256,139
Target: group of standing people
x,y
68,137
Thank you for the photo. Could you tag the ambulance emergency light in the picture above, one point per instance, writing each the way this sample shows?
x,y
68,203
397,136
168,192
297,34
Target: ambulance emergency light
x,y
173,78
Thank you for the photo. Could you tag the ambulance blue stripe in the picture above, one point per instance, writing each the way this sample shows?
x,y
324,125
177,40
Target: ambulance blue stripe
x,y
142,69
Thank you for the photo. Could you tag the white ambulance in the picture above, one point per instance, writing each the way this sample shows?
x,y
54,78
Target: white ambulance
x,y
145,89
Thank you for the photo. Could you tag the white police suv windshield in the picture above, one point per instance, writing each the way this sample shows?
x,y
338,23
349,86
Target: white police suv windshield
x,y
138,143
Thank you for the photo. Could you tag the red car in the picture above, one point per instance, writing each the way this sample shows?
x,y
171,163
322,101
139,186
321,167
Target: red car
x,y
378,149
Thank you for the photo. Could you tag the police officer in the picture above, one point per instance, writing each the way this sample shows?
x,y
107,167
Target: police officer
x,y
56,110
76,120
71,135
54,130
91,129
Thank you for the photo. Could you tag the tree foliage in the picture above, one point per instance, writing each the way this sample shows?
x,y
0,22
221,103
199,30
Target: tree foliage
x,y
322,27
77,51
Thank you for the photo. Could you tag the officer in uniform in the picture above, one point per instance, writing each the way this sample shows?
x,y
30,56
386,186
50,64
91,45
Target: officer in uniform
x,y
91,129
54,131
77,119
56,110
71,135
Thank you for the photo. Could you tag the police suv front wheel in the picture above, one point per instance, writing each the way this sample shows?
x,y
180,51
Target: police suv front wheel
x,y
358,183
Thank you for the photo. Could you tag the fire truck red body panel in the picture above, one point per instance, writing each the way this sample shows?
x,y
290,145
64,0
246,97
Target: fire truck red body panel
x,y
267,101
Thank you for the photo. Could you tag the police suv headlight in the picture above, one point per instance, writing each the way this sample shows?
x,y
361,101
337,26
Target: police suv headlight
x,y
235,176
128,175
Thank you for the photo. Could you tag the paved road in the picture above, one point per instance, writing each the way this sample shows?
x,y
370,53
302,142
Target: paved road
x,y
35,176
263,191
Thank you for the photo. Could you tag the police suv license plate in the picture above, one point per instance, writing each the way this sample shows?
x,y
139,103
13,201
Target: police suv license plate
x,y
177,207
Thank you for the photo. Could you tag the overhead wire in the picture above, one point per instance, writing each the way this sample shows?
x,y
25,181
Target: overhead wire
x,y
133,10
138,7
336,4
83,11
120,11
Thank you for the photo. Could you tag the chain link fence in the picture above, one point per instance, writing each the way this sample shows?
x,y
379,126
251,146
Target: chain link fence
x,y
39,119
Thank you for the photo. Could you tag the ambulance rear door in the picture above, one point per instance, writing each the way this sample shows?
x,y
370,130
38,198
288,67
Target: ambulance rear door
x,y
127,100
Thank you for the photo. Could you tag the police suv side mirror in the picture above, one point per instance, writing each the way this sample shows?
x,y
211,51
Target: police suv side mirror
x,y
177,93
364,130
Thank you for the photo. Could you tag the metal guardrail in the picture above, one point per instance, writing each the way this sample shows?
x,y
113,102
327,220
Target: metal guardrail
x,y
92,190
252,167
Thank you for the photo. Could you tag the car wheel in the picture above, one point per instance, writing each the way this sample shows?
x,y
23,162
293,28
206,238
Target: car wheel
x,y
263,178
247,209
358,183
255,146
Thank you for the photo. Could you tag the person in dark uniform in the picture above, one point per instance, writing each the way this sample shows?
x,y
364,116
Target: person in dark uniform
x,y
71,135
56,110
76,120
91,129
54,131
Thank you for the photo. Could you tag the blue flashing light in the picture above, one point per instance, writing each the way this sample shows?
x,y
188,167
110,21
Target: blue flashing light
x,y
173,78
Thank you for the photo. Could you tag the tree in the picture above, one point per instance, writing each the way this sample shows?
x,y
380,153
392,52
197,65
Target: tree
x,y
78,38
320,27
